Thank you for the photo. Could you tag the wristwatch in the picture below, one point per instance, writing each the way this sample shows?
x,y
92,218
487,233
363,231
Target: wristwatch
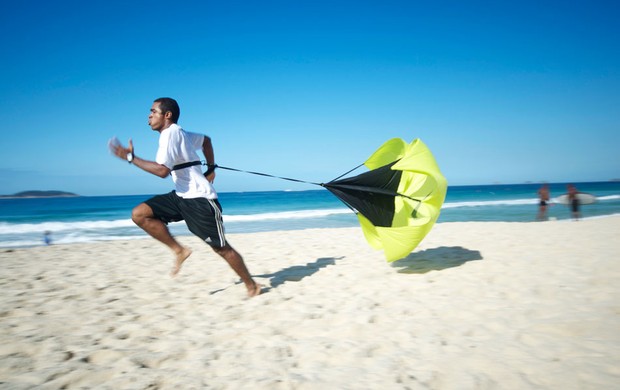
x,y
130,157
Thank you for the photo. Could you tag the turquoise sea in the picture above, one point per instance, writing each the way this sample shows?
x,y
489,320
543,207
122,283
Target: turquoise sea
x,y
23,221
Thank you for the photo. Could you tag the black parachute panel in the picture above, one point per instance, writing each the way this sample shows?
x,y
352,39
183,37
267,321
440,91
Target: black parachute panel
x,y
371,193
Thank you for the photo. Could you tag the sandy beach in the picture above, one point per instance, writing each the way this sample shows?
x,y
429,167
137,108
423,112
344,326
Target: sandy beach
x,y
476,306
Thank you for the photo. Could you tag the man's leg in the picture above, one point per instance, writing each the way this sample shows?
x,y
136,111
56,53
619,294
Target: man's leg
x,y
234,259
142,215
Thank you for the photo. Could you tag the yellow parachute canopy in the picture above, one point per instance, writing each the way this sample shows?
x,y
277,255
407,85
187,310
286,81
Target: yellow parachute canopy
x,y
399,199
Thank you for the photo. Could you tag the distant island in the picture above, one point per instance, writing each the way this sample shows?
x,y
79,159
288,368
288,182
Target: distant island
x,y
40,194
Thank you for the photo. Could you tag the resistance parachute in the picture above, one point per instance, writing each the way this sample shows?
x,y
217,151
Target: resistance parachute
x,y
398,201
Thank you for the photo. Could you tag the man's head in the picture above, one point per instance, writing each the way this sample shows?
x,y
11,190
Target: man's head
x,y
164,112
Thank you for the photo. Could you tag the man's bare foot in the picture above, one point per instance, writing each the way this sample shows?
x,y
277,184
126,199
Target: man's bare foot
x,y
178,261
254,291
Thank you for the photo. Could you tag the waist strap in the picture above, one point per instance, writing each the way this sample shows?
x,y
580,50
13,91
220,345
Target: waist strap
x,y
186,165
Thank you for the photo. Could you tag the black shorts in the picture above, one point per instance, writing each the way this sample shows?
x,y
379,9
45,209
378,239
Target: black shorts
x,y
202,216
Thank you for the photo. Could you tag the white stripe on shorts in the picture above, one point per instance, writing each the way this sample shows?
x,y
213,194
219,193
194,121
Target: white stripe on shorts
x,y
218,222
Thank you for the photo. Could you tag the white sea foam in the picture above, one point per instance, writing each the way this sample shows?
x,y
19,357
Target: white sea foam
x,y
31,234
609,197
511,202
302,214
22,228
68,239
57,227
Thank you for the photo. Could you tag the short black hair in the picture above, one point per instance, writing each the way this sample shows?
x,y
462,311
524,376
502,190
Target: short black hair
x,y
169,104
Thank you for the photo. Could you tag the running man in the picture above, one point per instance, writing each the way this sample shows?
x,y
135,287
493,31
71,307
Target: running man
x,y
194,199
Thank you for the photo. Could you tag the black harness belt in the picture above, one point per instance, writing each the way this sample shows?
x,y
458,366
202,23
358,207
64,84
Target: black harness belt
x,y
186,165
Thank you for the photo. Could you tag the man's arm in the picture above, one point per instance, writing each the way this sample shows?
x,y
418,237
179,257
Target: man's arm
x,y
207,150
149,166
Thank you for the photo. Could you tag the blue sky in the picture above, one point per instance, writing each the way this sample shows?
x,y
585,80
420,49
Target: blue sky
x,y
502,92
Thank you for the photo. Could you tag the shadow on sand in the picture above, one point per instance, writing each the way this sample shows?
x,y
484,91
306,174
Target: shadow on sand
x,y
290,274
297,272
436,259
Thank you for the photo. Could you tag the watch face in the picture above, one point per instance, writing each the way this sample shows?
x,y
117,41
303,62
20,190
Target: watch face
x,y
130,157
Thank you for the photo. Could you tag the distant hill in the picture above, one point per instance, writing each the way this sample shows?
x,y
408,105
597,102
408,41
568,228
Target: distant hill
x,y
39,194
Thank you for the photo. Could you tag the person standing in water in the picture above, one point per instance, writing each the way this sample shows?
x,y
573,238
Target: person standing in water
x,y
573,201
194,199
543,204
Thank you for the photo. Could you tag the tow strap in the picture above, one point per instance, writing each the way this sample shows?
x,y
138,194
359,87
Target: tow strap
x,y
186,165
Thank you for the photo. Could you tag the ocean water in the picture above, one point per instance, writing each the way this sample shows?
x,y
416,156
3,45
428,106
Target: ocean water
x,y
24,221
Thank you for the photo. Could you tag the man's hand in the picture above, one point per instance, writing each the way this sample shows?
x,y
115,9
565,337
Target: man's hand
x,y
118,149
121,152
210,177
210,173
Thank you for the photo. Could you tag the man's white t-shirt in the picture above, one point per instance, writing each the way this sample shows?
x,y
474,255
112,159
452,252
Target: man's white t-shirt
x,y
177,146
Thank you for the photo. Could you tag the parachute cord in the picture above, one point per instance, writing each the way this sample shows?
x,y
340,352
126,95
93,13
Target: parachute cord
x,y
324,185
346,173
267,175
